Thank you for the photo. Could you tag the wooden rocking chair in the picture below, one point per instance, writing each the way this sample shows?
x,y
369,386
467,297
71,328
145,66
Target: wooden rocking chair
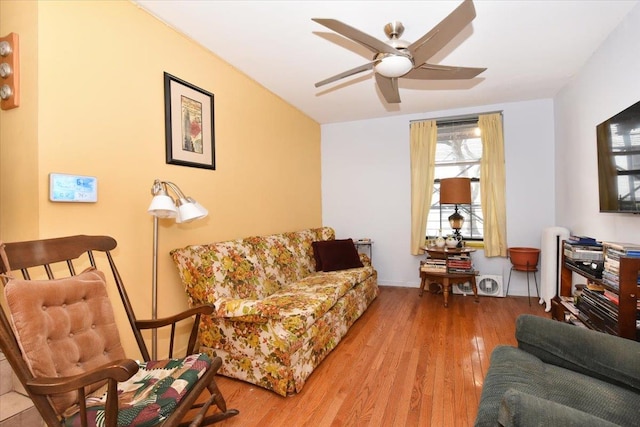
x,y
60,337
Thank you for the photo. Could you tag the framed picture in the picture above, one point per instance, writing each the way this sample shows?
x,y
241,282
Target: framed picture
x,y
189,126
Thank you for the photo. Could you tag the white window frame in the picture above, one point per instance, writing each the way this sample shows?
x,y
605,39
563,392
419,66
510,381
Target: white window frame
x,y
468,167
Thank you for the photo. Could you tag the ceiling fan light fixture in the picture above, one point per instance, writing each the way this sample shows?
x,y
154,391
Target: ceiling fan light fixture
x,y
396,58
394,66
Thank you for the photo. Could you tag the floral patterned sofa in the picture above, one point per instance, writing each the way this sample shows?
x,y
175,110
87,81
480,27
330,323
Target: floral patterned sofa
x,y
276,317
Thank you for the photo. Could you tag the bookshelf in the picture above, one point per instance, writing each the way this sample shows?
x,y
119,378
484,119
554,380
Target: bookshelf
x,y
601,318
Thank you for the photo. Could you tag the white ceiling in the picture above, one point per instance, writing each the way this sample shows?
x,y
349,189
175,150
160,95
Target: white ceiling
x,y
530,48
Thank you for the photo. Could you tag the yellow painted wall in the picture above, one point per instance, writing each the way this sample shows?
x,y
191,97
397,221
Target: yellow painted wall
x,y
98,109
19,190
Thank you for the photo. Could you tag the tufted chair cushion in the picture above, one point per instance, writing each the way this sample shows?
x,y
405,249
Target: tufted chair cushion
x,y
64,326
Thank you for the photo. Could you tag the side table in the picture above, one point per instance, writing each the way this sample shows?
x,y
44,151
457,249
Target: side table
x,y
367,244
448,278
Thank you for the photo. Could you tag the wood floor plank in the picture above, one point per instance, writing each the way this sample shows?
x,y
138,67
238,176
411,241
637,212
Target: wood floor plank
x,y
408,361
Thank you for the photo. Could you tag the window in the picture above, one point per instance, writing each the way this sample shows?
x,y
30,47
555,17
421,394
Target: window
x,y
458,154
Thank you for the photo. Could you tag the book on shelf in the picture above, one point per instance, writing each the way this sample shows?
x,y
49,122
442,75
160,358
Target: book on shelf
x,y
622,249
620,246
612,296
569,304
434,261
459,256
461,270
612,254
602,309
599,314
582,240
596,287
459,264
432,265
612,261
611,268
433,270
581,254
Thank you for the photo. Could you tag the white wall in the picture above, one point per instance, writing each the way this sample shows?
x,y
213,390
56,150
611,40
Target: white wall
x,y
366,186
608,83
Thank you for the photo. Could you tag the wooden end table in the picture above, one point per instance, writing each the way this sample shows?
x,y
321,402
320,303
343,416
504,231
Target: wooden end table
x,y
447,279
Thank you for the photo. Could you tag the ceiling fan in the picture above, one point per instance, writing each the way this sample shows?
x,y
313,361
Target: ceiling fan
x,y
397,58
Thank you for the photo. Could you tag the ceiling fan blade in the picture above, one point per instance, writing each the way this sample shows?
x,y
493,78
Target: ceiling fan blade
x,y
442,72
429,44
361,68
371,43
389,88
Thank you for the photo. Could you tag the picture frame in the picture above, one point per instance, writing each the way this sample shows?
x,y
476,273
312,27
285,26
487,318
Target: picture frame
x,y
189,124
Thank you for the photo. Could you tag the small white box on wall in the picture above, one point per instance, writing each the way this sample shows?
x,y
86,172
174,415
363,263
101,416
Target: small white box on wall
x,y
73,188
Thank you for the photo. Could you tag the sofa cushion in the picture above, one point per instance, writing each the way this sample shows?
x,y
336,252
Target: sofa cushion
x,y
287,257
297,305
301,242
278,259
512,368
333,255
226,269
300,305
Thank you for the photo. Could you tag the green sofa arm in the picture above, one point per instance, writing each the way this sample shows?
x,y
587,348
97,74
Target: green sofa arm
x,y
596,354
523,410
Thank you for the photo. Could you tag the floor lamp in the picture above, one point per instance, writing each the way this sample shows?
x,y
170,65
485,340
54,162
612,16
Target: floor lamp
x,y
182,209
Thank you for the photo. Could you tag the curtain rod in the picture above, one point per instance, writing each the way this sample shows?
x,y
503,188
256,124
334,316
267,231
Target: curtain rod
x,y
452,118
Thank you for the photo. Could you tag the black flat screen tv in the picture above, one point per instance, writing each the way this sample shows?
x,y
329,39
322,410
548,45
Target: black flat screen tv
x,y
619,161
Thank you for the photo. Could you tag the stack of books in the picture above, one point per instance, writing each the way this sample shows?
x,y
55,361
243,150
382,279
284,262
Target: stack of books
x,y
598,310
433,265
586,254
612,253
583,249
460,263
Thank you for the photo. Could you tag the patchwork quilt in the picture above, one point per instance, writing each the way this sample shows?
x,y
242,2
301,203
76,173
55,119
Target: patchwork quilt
x,y
148,397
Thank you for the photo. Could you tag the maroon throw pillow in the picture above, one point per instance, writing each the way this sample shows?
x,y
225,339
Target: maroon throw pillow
x,y
332,255
316,254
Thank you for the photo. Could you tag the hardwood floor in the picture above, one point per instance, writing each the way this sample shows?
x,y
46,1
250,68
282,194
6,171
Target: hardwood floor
x,y
408,361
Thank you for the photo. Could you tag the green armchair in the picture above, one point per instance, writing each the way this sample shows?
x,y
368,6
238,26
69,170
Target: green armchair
x,y
561,375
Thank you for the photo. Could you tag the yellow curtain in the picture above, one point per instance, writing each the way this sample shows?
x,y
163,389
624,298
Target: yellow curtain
x,y
424,137
492,185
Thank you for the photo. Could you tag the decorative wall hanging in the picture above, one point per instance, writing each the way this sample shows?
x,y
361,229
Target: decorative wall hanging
x,y
189,124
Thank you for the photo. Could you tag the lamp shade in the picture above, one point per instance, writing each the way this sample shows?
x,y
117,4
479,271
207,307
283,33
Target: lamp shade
x,y
190,210
455,191
162,206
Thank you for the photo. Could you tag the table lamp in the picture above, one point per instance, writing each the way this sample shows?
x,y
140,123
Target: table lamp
x,y
455,191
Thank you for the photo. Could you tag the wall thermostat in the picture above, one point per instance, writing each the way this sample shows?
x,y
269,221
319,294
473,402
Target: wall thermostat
x,y
72,188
